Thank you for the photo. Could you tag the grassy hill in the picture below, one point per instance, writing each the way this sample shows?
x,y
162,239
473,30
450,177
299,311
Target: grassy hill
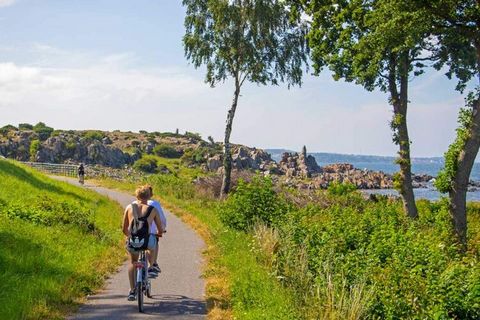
x,y
57,243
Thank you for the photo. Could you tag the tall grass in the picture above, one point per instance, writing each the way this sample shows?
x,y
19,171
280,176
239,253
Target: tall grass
x,y
57,243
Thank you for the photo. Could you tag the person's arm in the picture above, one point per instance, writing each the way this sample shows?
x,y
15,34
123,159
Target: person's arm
x,y
158,222
125,222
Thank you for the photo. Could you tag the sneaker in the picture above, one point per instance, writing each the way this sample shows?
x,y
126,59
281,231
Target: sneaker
x,y
156,268
131,295
152,273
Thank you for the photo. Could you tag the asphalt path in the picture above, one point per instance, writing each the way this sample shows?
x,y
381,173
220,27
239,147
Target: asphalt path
x,y
178,292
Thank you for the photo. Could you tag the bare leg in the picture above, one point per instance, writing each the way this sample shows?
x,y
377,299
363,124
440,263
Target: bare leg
x,y
155,252
131,270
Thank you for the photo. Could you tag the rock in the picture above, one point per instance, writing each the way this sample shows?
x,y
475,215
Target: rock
x,y
214,163
302,165
106,140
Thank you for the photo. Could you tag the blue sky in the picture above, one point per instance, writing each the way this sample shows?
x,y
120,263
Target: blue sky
x,y
119,65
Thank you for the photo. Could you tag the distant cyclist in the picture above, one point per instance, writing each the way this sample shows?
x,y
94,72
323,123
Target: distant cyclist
x,y
145,213
81,173
155,269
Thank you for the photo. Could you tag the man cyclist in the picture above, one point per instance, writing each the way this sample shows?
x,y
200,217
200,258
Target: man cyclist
x,y
154,269
151,215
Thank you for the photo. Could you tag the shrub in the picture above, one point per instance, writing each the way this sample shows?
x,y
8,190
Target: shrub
x,y
34,147
195,156
340,189
25,126
146,164
166,151
250,202
192,135
93,135
5,129
42,130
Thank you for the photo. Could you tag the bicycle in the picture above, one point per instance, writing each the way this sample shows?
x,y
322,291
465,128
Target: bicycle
x,y
143,286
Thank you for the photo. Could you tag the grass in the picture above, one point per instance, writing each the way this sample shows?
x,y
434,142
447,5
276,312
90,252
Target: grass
x,y
57,243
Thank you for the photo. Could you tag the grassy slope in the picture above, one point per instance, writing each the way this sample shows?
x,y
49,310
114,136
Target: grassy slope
x,y
57,243
237,285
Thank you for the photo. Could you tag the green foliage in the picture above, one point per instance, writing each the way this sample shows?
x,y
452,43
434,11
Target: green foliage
x,y
146,164
25,126
34,147
71,145
250,202
195,156
247,40
193,135
5,129
166,151
446,176
410,269
50,234
93,135
340,189
42,130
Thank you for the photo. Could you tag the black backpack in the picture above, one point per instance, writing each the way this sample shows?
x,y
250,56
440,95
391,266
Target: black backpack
x,y
139,229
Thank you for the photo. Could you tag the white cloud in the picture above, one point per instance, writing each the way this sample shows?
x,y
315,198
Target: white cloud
x,y
6,3
81,90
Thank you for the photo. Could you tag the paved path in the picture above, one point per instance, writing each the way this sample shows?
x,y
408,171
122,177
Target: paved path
x,y
178,292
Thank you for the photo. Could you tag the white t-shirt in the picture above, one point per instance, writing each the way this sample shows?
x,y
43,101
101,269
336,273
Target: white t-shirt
x,y
157,206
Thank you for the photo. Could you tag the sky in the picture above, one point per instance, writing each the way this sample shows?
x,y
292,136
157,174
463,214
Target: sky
x,y
120,65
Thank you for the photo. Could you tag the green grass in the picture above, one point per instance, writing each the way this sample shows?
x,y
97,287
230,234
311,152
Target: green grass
x,y
57,243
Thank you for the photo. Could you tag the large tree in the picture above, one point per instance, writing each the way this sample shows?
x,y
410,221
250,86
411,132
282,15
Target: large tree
x,y
456,49
378,45
252,40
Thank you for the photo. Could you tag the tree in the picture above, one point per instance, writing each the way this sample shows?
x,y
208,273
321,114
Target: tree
x,y
456,29
377,44
252,40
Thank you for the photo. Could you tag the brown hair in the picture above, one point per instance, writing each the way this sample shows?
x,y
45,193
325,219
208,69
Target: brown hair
x,y
149,187
142,193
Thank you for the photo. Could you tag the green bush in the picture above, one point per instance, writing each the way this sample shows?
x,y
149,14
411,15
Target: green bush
x,y
250,202
42,130
340,189
166,151
93,135
25,126
146,164
195,156
411,269
5,129
34,147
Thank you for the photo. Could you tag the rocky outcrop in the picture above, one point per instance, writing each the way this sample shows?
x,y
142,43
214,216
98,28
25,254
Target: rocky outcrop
x,y
299,165
65,147
244,158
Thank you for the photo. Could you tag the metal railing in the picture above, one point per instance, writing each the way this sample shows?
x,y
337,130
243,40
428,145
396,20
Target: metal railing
x,y
59,169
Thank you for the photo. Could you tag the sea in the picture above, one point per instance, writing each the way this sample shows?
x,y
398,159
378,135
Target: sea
x,y
430,166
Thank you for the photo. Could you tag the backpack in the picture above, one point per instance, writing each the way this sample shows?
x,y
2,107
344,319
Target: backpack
x,y
139,229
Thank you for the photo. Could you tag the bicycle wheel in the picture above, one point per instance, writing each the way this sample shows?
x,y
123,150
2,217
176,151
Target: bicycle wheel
x,y
140,296
148,288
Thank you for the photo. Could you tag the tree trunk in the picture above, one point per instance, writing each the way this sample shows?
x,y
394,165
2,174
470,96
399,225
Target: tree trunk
x,y
227,155
405,174
466,158
399,124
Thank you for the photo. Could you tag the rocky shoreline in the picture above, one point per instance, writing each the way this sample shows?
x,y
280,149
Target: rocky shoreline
x,y
117,151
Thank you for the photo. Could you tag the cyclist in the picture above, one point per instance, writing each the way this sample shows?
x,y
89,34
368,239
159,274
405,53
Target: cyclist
x,y
81,173
154,269
142,194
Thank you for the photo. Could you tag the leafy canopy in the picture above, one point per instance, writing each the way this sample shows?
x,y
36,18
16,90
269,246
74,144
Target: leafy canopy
x,y
362,41
252,40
